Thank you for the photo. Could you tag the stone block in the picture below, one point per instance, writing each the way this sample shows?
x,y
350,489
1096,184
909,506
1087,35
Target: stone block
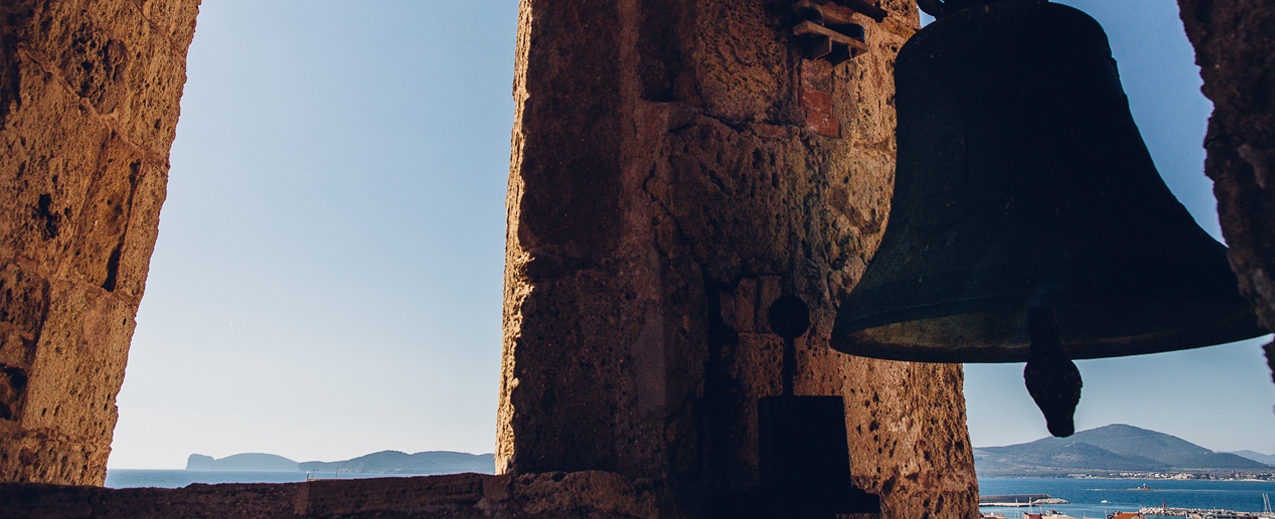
x,y
89,95
582,494
79,364
597,495
98,235
43,456
738,61
52,147
197,501
341,498
125,66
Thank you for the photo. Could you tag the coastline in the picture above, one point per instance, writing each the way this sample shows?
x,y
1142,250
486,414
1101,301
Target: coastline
x,y
1151,476
1098,497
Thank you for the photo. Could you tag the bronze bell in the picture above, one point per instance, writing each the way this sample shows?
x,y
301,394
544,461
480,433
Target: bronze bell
x,y
1023,184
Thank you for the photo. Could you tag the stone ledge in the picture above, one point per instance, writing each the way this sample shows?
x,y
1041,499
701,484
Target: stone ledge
x,y
599,495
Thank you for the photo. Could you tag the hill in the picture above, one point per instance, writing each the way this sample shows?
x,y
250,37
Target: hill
x,y
1113,448
248,462
1167,449
1046,457
385,462
395,462
1268,459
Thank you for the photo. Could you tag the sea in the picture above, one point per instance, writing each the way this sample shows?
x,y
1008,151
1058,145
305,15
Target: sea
x,y
139,478
1099,498
1095,498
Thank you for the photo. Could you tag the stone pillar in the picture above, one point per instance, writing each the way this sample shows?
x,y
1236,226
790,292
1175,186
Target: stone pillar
x,y
89,94
1236,55
669,180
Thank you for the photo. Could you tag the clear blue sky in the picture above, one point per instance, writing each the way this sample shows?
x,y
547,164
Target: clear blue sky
x,y
327,280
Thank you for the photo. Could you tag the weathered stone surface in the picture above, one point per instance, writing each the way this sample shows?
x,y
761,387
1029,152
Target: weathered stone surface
x,y
89,94
43,501
571,494
665,189
598,495
1236,54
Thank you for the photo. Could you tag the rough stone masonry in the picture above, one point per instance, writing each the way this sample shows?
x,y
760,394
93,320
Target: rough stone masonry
x,y
89,96
664,188
1236,54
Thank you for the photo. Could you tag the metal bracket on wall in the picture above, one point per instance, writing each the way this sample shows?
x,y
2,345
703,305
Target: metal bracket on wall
x,y
828,33
832,30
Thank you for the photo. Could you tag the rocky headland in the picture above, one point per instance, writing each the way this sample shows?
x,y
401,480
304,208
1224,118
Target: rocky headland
x,y
384,462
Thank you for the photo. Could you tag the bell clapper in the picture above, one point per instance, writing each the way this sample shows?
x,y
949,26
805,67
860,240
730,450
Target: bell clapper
x,y
1052,378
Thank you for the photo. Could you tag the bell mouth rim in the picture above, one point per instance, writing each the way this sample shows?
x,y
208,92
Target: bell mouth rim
x,y
853,345
1106,308
930,339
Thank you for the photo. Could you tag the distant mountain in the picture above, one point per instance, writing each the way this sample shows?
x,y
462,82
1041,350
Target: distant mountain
x,y
1268,459
385,462
1170,450
395,462
1114,448
1049,455
249,462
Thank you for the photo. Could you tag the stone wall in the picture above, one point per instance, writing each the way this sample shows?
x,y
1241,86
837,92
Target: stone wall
x,y
1236,55
596,495
89,94
665,188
